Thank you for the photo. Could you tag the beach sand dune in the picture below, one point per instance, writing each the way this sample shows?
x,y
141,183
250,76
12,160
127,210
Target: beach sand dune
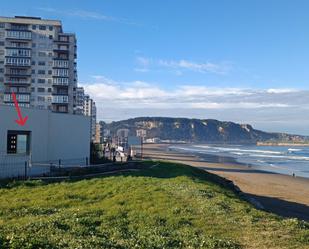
x,y
284,195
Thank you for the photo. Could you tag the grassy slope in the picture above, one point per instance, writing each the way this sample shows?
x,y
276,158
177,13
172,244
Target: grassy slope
x,y
170,206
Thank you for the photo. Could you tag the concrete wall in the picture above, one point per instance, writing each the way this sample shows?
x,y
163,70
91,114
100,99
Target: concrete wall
x,y
54,136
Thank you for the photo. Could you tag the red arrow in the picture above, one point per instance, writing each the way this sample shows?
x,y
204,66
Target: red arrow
x,y
21,121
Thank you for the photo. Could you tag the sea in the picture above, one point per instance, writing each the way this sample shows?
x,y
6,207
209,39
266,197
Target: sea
x,y
277,159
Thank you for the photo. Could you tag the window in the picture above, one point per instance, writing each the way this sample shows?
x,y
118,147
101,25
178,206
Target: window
x,y
50,72
18,142
42,27
41,99
22,90
51,37
42,63
34,27
1,43
2,25
42,54
41,72
41,90
41,81
33,45
62,109
49,90
51,28
33,63
42,45
64,38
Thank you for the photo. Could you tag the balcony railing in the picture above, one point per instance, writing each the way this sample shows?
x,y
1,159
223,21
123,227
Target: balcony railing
x,y
17,82
17,62
21,45
61,48
61,63
21,97
60,99
18,35
17,74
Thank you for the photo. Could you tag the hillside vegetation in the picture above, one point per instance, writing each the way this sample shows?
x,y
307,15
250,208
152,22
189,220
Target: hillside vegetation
x,y
199,130
168,206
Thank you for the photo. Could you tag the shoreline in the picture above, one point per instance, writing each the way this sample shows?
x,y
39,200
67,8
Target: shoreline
x,y
284,195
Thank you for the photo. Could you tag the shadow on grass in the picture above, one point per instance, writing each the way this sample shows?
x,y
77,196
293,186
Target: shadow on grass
x,y
282,207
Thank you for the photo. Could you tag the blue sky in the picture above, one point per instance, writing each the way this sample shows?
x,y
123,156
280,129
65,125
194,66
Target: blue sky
x,y
245,61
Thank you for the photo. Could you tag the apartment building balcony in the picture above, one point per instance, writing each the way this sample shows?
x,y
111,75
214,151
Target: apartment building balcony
x,y
61,84
59,41
60,64
21,97
60,99
17,74
12,34
62,49
13,62
17,81
62,108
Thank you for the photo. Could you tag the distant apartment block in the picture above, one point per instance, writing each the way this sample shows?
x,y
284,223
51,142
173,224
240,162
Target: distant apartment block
x,y
38,63
80,98
91,111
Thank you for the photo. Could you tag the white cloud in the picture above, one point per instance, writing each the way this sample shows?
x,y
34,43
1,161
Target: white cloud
x,y
207,67
179,66
107,92
87,15
270,109
282,90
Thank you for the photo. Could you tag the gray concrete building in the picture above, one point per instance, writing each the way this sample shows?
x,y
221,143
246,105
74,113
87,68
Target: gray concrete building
x,y
38,63
48,138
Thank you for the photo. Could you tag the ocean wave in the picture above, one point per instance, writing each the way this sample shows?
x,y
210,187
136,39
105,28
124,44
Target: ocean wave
x,y
240,150
299,158
294,150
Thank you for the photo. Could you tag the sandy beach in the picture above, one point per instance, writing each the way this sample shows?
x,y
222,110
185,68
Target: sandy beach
x,y
281,194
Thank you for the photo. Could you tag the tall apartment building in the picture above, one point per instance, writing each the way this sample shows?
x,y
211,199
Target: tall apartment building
x,y
91,111
38,64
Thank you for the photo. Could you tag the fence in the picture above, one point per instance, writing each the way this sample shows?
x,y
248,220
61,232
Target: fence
x,y
14,166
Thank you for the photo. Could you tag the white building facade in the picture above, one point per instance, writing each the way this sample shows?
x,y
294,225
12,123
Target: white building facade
x,y
47,138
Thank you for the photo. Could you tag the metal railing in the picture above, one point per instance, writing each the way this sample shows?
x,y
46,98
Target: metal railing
x,y
22,166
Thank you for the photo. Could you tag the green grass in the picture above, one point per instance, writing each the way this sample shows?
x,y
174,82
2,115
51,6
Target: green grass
x,y
169,206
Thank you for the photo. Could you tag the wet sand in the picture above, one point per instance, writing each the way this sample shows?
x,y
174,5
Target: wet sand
x,y
281,194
